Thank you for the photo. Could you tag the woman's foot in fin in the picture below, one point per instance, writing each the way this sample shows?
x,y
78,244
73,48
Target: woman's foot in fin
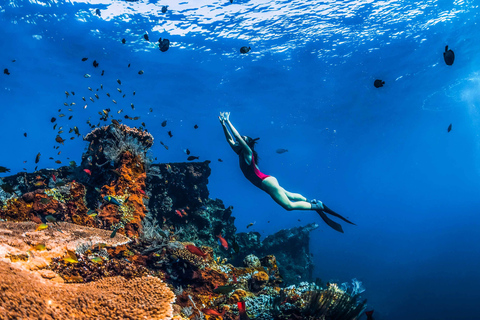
x,y
333,213
332,224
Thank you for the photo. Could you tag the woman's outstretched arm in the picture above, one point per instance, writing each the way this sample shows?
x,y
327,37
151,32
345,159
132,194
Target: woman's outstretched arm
x,y
235,133
228,136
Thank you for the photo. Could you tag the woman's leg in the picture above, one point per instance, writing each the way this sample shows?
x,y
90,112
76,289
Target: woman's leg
x,y
271,186
295,196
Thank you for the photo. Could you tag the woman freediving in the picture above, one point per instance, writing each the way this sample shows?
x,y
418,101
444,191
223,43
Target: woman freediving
x,y
244,146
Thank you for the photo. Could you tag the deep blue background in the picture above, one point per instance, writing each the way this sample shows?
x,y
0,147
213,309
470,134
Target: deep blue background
x,y
382,157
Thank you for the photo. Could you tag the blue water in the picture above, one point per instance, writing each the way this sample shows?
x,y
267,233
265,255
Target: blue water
x,y
382,157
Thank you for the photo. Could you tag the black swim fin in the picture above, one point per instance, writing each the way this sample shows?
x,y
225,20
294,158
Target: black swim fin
x,y
332,224
333,213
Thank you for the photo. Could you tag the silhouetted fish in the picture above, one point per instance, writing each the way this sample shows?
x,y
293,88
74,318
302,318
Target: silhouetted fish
x,y
123,40
245,49
97,12
164,123
84,59
449,128
95,63
378,83
164,9
192,158
448,56
280,151
145,36
164,44
5,71
170,134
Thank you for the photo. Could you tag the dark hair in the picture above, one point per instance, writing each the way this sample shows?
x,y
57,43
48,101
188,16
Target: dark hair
x,y
251,143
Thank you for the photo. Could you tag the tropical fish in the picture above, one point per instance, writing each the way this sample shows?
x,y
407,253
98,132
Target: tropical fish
x,y
114,232
280,151
170,134
164,44
54,178
84,59
72,164
59,139
88,172
97,260
86,75
186,151
244,50
179,213
224,289
51,219
449,128
5,71
41,226
111,199
220,160
95,63
37,158
250,224
164,9
448,56
378,83
140,72
70,260
195,127
39,247
191,158
223,242
145,36
119,82
58,161
123,40
242,311
195,250
164,123
53,119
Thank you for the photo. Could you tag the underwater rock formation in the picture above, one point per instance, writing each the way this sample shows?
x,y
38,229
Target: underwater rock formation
x,y
118,223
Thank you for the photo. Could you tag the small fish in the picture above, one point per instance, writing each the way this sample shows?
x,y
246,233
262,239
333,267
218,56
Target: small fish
x,y
41,226
164,123
84,99
195,250
103,72
93,215
86,75
119,90
91,99
72,164
280,151
128,65
145,36
4,169
84,59
96,96
95,63
448,56
224,289
111,199
70,118
124,41
70,260
378,83
223,242
242,310
61,115
37,158
164,9
191,158
170,134
54,178
39,247
67,93
59,139
88,172
97,12
5,71
43,200
53,120
108,94
250,224
140,72
220,160
114,101
244,50
186,151
97,260
195,127
114,233
163,144
133,92
163,45
449,128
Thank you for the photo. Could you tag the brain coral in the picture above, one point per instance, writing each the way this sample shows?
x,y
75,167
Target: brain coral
x,y
24,295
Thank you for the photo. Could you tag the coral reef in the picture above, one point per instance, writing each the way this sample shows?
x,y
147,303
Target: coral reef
x,y
25,295
94,241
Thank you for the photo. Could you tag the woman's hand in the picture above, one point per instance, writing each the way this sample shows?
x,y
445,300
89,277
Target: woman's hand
x,y
222,118
226,116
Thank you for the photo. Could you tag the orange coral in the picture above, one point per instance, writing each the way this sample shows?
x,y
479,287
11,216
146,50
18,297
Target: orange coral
x,y
25,295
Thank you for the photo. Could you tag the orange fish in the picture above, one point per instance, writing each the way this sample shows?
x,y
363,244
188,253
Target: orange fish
x,y
183,212
223,241
88,172
179,213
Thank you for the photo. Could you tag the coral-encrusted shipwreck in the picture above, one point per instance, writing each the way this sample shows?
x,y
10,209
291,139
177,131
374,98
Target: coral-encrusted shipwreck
x,y
119,237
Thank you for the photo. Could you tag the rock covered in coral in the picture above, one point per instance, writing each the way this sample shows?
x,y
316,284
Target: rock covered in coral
x,y
290,248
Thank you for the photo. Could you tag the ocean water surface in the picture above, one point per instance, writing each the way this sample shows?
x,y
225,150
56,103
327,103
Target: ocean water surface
x,y
380,156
